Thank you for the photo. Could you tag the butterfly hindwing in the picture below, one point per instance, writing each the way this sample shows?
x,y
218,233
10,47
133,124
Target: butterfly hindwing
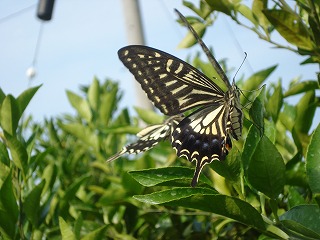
x,y
203,137
173,85
149,137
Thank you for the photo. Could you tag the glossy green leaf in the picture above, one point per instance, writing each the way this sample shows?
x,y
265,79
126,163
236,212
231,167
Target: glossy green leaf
x,y
223,205
303,220
148,116
313,162
169,195
8,209
275,102
9,115
189,39
250,145
301,87
266,170
32,204
94,94
290,27
230,168
257,111
156,176
25,97
65,230
81,105
18,152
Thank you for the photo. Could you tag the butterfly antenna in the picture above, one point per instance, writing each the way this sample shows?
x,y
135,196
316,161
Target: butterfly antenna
x,y
206,50
245,57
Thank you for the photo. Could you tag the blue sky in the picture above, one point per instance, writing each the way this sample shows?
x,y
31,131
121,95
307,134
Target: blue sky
x,y
82,40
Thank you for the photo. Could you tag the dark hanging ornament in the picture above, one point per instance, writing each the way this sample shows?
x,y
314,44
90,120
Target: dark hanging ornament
x,y
45,9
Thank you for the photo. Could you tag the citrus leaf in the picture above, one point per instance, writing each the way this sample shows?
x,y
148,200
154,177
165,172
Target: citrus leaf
x,y
32,204
313,162
156,176
290,27
81,105
9,115
266,170
304,220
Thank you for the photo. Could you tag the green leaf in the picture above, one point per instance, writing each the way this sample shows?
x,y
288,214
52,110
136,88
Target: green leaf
x,y
156,176
314,26
229,168
250,146
305,112
109,102
149,116
166,196
257,7
4,155
84,133
247,13
8,209
96,234
9,115
18,152
32,204
25,97
189,40
65,230
303,220
254,81
223,205
2,96
81,105
275,102
290,27
266,170
224,6
93,94
313,162
257,111
301,87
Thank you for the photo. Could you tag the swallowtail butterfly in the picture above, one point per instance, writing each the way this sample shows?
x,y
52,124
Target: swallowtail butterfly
x,y
174,87
149,137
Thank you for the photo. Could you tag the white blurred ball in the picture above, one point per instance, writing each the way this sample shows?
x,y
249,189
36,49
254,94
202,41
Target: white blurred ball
x,y
31,72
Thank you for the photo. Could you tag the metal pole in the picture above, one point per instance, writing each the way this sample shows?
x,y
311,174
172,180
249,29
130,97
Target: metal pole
x,y
135,36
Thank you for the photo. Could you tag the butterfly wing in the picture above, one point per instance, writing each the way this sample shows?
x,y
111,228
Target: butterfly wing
x,y
173,85
203,137
149,137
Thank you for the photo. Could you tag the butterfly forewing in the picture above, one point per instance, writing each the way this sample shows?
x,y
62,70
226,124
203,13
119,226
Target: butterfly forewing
x,y
149,137
173,85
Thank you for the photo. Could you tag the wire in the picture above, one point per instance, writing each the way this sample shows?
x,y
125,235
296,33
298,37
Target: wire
x,y
17,13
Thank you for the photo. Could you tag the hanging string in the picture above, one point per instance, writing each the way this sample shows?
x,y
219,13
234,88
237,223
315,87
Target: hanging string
x,y
31,71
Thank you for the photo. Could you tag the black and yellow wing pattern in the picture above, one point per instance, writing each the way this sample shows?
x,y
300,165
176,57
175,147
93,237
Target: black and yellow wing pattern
x,y
149,137
174,87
